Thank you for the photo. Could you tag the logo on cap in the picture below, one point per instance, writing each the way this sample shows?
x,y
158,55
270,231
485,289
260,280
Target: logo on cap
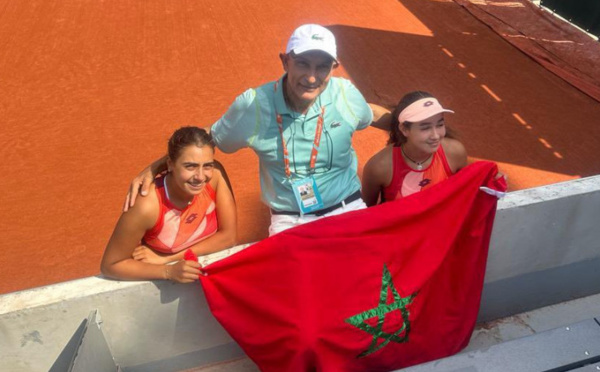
x,y
317,37
428,103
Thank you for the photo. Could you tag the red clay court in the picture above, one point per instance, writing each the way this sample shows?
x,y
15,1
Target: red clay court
x,y
91,90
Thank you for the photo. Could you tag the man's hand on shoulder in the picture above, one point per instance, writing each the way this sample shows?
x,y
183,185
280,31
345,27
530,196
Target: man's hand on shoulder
x,y
382,117
141,183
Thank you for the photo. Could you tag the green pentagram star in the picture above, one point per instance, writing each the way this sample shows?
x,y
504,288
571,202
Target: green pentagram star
x,y
399,303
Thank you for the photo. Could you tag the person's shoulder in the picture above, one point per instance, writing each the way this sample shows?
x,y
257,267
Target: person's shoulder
x,y
247,98
268,86
385,155
456,153
217,177
220,178
341,83
379,170
382,162
453,147
244,100
147,207
351,102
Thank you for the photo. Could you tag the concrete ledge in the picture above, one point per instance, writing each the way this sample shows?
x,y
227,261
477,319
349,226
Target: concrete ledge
x,y
144,322
560,349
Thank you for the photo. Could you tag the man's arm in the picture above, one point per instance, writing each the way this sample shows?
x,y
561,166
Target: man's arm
x,y
354,105
234,129
382,117
141,183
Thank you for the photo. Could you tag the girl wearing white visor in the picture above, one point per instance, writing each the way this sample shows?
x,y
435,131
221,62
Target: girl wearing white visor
x,y
420,152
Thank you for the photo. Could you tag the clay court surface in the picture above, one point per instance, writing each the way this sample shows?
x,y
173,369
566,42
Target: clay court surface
x,y
91,90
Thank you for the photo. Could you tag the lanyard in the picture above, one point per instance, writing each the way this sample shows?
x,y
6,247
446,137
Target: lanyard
x,y
316,142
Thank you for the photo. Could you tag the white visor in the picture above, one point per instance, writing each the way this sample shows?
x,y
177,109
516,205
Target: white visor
x,y
421,110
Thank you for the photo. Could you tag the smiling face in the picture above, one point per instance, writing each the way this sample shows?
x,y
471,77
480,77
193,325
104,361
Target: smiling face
x,y
191,170
425,136
307,77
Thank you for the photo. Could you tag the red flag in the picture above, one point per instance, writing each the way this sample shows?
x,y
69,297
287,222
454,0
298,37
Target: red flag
x,y
372,290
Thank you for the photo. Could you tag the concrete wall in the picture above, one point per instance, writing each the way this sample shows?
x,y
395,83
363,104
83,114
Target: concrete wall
x,y
144,322
545,249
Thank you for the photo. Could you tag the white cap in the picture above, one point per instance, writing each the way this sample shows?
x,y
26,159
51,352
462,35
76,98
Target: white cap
x,y
421,110
312,37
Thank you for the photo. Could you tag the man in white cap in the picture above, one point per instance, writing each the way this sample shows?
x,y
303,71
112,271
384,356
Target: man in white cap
x,y
300,127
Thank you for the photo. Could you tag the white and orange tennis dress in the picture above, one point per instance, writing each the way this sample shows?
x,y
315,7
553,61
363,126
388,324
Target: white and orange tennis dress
x,y
407,181
177,229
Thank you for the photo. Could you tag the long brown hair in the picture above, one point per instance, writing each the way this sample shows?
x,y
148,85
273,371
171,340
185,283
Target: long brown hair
x,y
396,136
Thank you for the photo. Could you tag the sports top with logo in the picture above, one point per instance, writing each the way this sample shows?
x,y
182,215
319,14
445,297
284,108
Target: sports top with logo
x,y
177,229
251,121
406,181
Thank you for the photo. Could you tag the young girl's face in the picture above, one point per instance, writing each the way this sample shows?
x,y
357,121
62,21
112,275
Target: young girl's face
x,y
193,169
425,135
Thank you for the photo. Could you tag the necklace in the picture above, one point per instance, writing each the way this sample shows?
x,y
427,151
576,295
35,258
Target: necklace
x,y
418,163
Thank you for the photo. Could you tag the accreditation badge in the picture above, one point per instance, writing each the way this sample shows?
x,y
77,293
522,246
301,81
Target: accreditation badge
x,y
307,195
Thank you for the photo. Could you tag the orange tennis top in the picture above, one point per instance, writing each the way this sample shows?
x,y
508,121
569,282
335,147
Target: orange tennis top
x,y
177,229
407,181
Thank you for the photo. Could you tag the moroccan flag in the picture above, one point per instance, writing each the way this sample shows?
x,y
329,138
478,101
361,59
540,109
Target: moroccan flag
x,y
372,290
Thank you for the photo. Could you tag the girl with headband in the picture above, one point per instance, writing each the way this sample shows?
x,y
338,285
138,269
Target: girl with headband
x,y
420,152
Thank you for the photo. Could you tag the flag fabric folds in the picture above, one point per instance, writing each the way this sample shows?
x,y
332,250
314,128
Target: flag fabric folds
x,y
372,290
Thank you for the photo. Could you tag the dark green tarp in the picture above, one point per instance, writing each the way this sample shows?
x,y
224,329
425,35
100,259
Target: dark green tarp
x,y
583,13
